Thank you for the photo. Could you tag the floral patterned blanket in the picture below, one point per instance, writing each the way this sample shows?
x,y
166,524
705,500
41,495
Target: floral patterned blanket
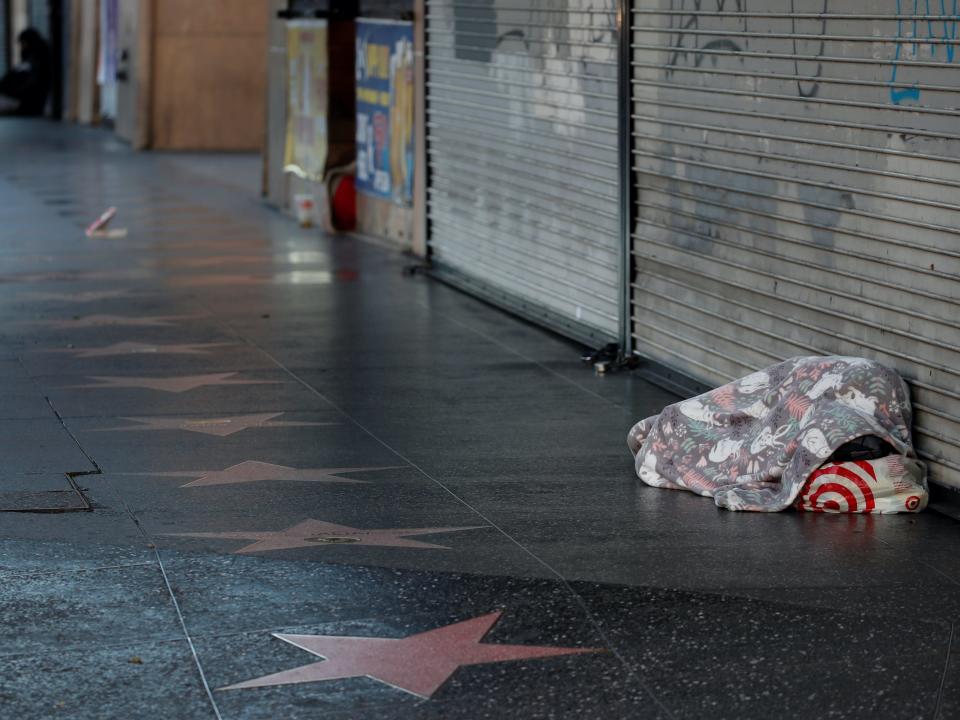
x,y
752,444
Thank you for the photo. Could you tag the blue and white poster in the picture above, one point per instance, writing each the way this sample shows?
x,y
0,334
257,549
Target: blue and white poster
x,y
385,100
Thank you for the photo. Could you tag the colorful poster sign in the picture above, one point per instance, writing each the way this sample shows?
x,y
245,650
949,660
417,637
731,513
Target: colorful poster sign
x,y
385,109
306,147
107,60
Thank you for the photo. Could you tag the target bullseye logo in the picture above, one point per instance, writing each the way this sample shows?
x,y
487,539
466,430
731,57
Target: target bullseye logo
x,y
840,489
885,485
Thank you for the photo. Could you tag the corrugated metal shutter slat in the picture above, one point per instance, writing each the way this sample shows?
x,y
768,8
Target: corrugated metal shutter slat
x,y
522,134
796,177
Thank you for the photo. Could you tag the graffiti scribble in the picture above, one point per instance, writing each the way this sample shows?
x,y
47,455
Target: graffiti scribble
x,y
911,33
813,87
685,42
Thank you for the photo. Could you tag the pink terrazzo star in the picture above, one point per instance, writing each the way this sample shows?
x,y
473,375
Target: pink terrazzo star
x,y
214,261
419,664
310,533
81,297
74,275
219,279
251,471
215,246
137,348
180,384
220,427
293,277
118,320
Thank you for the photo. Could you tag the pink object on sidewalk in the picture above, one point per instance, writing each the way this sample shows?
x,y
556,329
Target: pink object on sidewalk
x,y
98,228
101,222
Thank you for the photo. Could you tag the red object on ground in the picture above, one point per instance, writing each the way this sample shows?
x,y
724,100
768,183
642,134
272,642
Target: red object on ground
x,y
343,204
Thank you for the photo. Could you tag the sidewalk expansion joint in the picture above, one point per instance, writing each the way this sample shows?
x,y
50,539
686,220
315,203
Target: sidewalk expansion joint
x,y
73,499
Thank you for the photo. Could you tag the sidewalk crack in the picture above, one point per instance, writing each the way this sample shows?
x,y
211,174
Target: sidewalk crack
x,y
943,678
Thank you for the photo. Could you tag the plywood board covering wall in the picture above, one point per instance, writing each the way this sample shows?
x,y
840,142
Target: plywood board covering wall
x,y
210,74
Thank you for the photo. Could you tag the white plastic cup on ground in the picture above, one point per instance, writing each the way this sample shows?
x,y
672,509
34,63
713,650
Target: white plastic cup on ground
x,y
306,209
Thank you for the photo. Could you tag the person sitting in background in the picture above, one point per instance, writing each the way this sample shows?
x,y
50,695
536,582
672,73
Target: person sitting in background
x,y
27,84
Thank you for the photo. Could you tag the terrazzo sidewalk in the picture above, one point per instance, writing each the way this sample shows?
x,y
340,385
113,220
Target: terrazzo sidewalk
x,y
294,482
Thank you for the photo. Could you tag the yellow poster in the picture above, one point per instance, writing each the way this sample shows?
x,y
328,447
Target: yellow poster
x,y
306,148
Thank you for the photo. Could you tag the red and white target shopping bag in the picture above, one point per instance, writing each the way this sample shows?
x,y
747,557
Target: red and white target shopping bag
x,y
891,484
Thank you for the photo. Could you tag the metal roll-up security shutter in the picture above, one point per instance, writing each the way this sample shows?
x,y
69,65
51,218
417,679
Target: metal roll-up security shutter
x,y
797,166
522,154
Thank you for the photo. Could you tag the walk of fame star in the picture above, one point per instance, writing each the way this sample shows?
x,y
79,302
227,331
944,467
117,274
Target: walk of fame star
x,y
251,471
418,664
181,384
219,279
74,275
80,297
293,277
117,320
214,261
220,427
137,348
311,533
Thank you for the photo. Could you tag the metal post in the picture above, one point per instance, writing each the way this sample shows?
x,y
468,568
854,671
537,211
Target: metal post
x,y
624,127
420,240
